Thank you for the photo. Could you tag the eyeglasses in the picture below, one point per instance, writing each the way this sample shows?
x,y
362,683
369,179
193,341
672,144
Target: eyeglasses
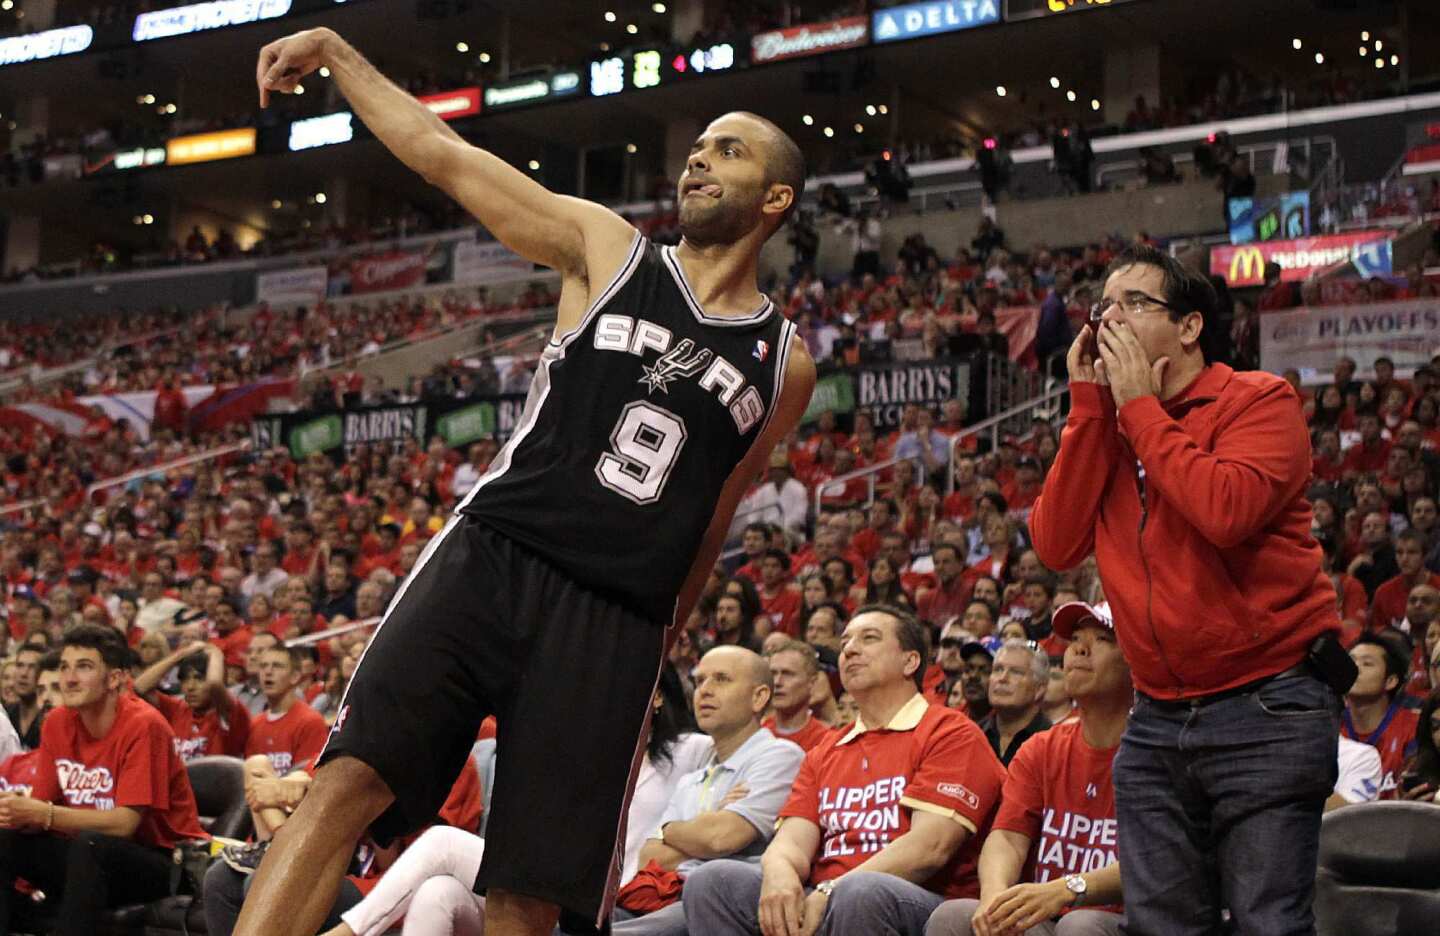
x,y
1132,303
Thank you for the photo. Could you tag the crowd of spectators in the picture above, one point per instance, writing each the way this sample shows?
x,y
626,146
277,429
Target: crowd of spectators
x,y
252,549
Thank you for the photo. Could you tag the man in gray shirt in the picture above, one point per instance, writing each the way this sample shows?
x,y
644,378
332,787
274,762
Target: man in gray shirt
x,y
726,809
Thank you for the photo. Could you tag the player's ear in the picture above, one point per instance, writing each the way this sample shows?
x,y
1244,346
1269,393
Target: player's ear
x,y
778,199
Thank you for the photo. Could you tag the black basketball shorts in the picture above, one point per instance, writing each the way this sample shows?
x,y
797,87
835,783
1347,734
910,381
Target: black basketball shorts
x,y
480,627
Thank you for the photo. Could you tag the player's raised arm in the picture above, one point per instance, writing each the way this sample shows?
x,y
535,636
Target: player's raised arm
x,y
523,215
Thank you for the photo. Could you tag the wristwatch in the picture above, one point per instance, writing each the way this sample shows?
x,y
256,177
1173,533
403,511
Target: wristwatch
x,y
825,887
1076,885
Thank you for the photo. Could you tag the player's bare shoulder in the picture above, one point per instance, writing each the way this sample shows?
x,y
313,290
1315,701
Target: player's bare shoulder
x,y
799,384
608,240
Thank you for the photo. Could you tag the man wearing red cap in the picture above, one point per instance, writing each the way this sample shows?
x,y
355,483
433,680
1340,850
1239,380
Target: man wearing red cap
x,y
1186,479
1057,810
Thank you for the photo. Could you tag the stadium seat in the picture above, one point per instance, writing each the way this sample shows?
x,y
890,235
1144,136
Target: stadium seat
x,y
1379,870
219,785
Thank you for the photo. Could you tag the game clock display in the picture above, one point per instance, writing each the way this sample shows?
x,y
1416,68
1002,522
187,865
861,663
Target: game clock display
x,y
662,65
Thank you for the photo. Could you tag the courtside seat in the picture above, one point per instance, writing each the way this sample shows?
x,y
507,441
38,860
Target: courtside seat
x,y
219,785
1379,870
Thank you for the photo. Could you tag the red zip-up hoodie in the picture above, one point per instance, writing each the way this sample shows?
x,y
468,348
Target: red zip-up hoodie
x,y
1214,579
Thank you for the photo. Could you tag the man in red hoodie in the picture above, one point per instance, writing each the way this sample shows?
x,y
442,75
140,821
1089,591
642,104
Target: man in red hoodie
x,y
1186,480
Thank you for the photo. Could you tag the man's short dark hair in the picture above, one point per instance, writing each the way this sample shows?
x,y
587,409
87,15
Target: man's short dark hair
x,y
849,569
779,555
104,640
1382,359
1184,289
997,500
291,652
762,528
908,631
49,663
1044,580
1411,535
784,163
1397,661
196,664
935,553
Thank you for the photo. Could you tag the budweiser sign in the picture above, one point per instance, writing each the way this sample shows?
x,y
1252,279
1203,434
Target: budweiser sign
x,y
810,39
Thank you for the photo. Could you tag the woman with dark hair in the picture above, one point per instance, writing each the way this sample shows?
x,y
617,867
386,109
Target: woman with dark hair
x,y
744,592
1329,409
1421,778
882,585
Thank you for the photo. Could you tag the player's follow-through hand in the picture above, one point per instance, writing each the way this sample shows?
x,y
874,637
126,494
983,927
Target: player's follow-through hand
x,y
285,61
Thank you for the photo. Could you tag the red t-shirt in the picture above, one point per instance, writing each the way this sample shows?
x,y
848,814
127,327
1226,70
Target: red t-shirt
x,y
1366,459
1060,796
298,563
17,772
234,644
208,734
860,787
1388,608
783,608
289,740
1394,739
134,765
807,737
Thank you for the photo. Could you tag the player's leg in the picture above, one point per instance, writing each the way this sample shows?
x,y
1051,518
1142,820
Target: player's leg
x,y
403,731
570,740
297,882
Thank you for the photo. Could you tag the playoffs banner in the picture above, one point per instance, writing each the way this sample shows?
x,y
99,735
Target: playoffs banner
x,y
382,272
1309,340
479,263
338,432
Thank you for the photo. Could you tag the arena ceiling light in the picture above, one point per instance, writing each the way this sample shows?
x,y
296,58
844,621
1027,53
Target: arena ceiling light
x,y
1365,36
462,47
1394,60
1379,62
320,198
1055,82
631,148
1296,44
1379,45
631,28
1070,96
534,165
1095,104
609,16
658,7
1364,51
859,128
1319,58
884,109
324,71
829,131
870,109
1000,90
484,58
807,120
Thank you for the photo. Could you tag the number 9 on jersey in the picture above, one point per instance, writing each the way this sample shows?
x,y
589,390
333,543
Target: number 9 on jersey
x,y
644,447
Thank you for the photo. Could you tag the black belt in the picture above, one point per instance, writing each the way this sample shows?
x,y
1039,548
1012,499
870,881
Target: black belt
x,y
1299,669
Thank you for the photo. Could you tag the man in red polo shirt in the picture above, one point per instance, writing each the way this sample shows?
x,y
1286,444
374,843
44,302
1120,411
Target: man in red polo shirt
x,y
952,590
1187,481
206,719
1057,814
873,809
794,667
1373,713
110,800
1387,609
1368,456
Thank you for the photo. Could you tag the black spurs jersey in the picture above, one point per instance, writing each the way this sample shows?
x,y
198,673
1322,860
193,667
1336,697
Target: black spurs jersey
x,y
635,420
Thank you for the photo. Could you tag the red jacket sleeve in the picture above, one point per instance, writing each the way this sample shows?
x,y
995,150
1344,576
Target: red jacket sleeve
x,y
1062,522
1261,462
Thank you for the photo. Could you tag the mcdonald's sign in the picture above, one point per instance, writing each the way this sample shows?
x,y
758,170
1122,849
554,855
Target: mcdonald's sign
x,y
1244,265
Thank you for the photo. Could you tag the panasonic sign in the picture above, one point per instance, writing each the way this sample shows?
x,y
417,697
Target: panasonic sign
x,y
198,17
322,131
43,45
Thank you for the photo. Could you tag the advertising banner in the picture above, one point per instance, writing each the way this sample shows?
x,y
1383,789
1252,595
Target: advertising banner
x,y
336,433
305,284
380,272
835,393
914,20
478,263
809,39
1244,265
1264,219
1310,340
1031,9
452,105
43,45
884,390
198,17
206,147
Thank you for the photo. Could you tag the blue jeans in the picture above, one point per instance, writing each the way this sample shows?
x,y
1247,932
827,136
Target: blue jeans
x,y
1219,808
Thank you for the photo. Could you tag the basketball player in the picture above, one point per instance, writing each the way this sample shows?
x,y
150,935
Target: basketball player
x,y
546,599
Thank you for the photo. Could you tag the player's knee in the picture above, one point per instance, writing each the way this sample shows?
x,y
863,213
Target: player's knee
x,y
860,889
346,783
952,918
444,893
717,878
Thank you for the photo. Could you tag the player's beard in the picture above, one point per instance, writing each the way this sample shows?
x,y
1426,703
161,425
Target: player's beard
x,y
707,222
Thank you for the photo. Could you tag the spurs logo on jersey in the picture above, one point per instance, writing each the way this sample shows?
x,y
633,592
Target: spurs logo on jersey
x,y
680,361
615,332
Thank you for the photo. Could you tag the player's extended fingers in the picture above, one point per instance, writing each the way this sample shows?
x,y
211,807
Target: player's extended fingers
x,y
262,68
